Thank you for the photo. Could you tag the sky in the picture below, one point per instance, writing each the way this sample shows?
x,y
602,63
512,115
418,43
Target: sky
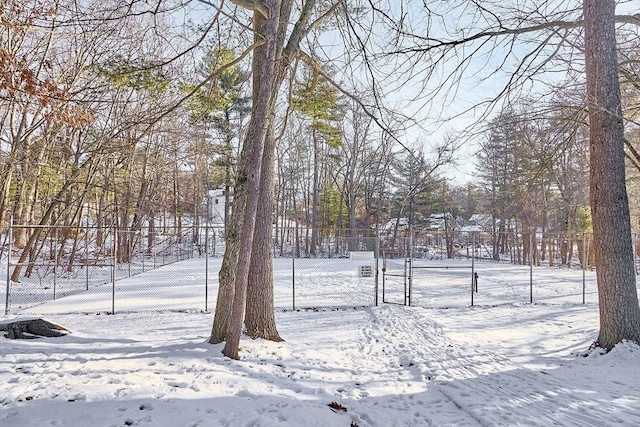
x,y
405,81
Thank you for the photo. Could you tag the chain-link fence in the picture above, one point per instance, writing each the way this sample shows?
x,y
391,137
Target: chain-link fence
x,y
91,269
98,270
46,263
457,269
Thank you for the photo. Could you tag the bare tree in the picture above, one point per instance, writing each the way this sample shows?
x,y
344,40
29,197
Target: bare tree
x,y
512,46
87,97
356,164
271,59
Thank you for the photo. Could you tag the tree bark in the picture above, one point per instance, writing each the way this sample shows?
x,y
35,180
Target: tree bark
x,y
615,272
227,273
226,279
260,319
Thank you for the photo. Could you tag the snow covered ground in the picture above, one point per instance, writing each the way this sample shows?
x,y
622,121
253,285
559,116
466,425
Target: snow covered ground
x,y
502,362
323,282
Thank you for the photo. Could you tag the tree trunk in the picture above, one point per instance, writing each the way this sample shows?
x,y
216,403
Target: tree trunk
x,y
15,276
260,319
5,190
615,272
270,60
100,219
226,279
264,70
19,210
227,273
151,232
314,201
351,205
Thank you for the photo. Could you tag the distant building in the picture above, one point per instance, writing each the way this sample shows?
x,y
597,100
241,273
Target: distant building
x,y
215,206
442,222
479,222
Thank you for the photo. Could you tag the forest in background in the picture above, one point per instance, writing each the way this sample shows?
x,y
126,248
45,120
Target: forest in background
x,y
115,114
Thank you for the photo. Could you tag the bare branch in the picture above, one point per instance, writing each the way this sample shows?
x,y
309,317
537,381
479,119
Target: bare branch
x,y
253,5
443,155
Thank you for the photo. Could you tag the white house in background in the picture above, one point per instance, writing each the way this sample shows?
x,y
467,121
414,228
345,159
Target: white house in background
x,y
478,222
215,206
442,221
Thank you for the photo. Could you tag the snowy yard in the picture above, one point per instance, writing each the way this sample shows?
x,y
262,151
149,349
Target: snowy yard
x,y
503,362
323,282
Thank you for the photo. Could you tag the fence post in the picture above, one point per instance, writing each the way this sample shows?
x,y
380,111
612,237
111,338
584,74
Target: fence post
x,y
384,275
55,265
473,265
129,251
143,247
406,261
530,268
113,270
584,267
196,231
408,295
86,253
293,268
9,243
377,249
206,263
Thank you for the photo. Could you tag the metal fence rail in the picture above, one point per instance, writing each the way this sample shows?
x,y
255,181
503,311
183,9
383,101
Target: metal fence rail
x,y
80,275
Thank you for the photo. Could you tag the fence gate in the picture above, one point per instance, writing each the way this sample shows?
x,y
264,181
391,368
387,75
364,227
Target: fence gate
x,y
442,283
396,269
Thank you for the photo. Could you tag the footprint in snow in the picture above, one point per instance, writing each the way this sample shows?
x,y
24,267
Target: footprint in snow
x,y
177,384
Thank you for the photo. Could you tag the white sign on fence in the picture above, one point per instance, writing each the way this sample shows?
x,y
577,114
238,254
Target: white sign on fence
x,y
365,260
